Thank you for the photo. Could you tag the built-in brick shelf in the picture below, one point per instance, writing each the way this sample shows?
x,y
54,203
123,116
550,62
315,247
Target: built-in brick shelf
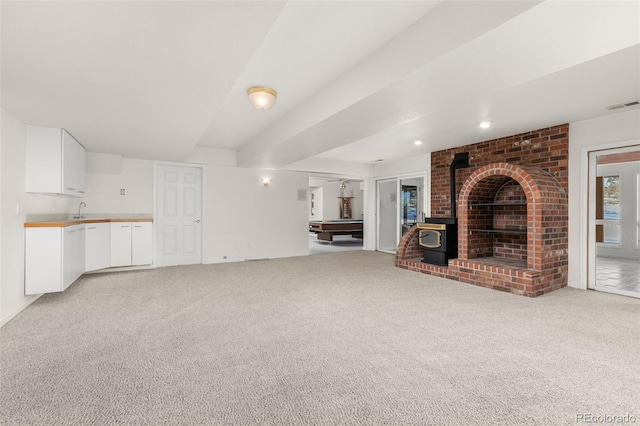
x,y
529,262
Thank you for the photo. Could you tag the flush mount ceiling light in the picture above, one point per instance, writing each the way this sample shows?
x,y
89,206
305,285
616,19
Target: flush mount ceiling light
x,y
485,124
262,97
417,142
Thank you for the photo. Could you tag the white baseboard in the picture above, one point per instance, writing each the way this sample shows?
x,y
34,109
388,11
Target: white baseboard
x,y
30,299
121,269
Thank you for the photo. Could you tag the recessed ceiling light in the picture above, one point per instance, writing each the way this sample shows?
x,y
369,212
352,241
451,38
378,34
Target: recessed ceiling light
x,y
417,142
485,124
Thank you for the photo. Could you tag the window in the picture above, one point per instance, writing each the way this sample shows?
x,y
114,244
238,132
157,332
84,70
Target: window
x,y
608,210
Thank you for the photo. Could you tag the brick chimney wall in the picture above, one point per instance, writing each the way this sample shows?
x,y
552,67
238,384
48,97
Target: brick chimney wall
x,y
529,265
546,148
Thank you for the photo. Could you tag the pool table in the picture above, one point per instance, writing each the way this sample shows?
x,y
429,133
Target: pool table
x,y
326,229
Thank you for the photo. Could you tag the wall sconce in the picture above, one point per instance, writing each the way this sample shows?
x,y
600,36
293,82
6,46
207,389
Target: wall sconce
x,y
262,97
265,181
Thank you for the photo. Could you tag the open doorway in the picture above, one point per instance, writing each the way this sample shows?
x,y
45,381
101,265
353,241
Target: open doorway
x,y
614,221
336,214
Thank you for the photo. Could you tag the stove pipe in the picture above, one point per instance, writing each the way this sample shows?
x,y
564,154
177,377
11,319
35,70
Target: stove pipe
x,y
460,161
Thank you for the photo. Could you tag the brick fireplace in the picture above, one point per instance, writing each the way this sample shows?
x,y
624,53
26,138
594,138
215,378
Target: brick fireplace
x,y
512,218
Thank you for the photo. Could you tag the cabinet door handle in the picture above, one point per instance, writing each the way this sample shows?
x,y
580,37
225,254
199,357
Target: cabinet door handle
x,y
124,226
82,192
91,227
196,221
70,189
137,226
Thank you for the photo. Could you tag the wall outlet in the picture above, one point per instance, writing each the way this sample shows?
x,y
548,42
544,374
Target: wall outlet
x,y
18,207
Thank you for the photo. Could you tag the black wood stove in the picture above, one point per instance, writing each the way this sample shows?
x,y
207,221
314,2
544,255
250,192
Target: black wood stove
x,y
439,238
439,235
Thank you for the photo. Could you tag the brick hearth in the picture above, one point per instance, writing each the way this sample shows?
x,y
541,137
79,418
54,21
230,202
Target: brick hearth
x,y
512,219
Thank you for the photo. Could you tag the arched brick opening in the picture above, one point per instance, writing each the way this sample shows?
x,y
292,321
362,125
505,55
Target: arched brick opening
x,y
531,262
488,212
499,205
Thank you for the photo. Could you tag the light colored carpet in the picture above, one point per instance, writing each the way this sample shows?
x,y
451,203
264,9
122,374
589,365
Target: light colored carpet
x,y
341,338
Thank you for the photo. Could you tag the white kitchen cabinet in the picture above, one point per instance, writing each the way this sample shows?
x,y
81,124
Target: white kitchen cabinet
x,y
54,257
141,243
131,243
73,254
98,246
55,162
120,244
56,254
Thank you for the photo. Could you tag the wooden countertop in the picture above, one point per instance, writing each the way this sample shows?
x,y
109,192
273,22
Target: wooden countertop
x,y
71,222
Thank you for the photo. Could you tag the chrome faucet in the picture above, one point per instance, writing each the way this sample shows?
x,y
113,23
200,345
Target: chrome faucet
x,y
80,215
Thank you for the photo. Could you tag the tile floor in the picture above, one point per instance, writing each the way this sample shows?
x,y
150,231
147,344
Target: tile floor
x,y
618,274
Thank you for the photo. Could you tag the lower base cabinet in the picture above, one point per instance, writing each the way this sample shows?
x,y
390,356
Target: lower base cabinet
x,y
98,246
54,258
131,243
120,244
141,243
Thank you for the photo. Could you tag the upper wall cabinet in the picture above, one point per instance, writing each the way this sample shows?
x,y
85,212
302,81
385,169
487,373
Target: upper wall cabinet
x,y
56,162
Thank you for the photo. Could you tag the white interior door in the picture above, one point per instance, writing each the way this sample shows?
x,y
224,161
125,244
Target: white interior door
x,y
178,215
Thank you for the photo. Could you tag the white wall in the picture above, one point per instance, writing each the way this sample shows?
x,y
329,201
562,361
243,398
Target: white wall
x,y
242,219
207,155
246,220
332,167
103,185
417,163
12,298
612,130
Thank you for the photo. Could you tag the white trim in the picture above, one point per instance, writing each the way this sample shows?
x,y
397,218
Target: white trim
x,y
408,175
5,319
616,291
378,182
587,175
370,213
